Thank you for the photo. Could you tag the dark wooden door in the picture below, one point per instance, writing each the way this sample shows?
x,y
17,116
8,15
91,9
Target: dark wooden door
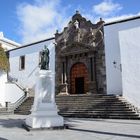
x,y
79,85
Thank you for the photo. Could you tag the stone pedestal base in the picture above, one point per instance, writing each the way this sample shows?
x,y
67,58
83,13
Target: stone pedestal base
x,y
45,117
44,110
64,89
92,87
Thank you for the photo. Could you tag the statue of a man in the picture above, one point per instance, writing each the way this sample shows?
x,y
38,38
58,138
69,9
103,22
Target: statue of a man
x,y
44,64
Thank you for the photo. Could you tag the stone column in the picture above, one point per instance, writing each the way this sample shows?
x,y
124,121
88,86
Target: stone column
x,y
64,85
92,83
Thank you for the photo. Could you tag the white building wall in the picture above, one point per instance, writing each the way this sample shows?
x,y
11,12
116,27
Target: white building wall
x,y
3,80
113,53
27,77
130,59
12,93
7,45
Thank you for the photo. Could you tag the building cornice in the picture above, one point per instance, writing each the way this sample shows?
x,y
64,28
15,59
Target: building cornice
x,y
24,46
123,20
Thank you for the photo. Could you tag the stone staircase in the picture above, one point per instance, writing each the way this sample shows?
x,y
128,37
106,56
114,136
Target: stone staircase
x,y
5,111
87,106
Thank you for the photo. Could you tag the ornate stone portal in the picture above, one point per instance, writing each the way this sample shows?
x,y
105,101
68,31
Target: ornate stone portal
x,y
80,57
44,110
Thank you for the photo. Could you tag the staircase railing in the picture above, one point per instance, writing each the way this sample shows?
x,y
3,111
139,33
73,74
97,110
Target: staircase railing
x,y
12,106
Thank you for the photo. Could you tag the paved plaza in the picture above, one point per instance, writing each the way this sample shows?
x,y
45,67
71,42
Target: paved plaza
x,y
79,129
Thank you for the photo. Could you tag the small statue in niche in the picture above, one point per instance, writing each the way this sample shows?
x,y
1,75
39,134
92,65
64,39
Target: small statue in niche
x,y
77,31
44,59
76,24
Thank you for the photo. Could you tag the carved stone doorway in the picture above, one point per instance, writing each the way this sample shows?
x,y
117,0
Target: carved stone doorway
x,y
79,79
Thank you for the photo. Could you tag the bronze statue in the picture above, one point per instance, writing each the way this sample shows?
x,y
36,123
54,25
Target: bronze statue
x,y
44,64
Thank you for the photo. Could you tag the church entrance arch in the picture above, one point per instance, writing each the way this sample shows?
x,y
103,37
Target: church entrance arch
x,y
79,79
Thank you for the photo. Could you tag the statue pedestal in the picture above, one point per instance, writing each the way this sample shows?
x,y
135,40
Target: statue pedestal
x,y
44,110
64,89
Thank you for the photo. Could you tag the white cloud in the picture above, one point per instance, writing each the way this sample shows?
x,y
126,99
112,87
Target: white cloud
x,y
106,8
41,19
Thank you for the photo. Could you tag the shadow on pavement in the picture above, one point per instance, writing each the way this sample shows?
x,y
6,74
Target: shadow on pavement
x,y
11,123
3,138
111,121
106,133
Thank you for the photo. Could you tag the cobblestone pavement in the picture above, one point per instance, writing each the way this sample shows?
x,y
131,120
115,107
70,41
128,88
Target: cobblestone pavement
x,y
79,129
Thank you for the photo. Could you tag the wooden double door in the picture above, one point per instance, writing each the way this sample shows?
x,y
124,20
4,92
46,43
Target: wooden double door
x,y
79,79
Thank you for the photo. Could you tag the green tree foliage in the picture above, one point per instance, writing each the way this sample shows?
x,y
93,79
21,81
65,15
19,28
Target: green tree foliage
x,y
4,63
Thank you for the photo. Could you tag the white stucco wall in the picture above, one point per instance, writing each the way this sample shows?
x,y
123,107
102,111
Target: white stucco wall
x,y
113,53
27,78
130,59
7,45
12,92
3,80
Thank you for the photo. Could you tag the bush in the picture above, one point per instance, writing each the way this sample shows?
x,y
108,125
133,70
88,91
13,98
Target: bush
x,y
4,63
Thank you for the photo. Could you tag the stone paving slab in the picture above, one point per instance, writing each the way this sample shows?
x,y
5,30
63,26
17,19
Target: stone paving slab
x,y
79,129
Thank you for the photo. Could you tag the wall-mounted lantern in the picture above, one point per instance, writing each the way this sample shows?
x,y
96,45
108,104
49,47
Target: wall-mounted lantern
x,y
117,66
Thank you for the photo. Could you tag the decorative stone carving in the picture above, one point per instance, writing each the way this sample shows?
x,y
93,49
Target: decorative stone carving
x,y
74,48
81,37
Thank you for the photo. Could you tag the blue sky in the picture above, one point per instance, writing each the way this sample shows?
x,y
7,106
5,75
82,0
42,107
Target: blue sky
x,y
30,20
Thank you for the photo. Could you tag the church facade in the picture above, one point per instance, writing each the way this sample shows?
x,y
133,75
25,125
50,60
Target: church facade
x,y
87,58
80,58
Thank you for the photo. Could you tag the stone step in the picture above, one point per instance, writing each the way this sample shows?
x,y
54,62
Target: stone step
x,y
98,113
101,106
81,114
81,109
94,105
69,102
92,102
85,108
3,109
22,112
6,112
101,116
85,100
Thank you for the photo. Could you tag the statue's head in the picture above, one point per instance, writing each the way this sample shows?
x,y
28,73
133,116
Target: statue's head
x,y
46,50
45,47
